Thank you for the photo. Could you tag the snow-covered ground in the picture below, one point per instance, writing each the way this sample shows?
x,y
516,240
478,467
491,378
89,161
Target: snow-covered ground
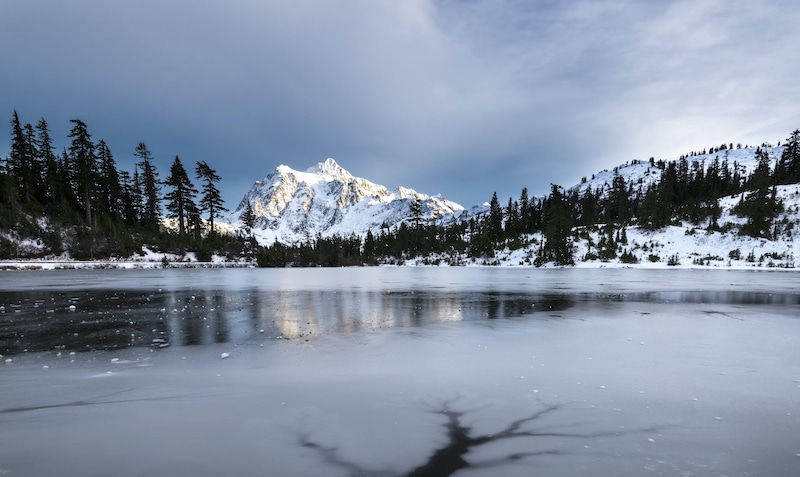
x,y
633,376
147,258
693,245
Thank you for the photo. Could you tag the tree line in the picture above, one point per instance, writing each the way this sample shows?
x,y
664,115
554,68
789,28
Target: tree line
x,y
78,201
685,191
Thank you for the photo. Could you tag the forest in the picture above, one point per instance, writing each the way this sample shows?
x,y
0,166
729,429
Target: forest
x,y
685,191
79,202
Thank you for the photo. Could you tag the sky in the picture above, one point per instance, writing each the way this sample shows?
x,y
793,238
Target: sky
x,y
455,97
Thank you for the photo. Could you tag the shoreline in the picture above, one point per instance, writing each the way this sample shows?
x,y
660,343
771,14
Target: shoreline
x,y
37,265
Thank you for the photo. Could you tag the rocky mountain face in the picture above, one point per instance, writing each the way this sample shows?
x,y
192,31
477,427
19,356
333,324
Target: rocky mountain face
x,y
292,206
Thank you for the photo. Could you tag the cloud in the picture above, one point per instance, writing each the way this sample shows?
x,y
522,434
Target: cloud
x,y
462,97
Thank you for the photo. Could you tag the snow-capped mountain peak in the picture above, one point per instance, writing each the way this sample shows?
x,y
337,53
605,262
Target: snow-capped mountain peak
x,y
330,168
292,206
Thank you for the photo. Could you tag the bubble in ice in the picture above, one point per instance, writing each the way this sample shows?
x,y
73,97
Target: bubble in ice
x,y
72,308
224,355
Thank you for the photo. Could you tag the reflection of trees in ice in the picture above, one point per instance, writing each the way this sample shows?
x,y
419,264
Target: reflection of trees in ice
x,y
451,456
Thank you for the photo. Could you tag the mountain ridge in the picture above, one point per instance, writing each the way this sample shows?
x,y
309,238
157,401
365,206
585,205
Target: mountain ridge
x,y
291,206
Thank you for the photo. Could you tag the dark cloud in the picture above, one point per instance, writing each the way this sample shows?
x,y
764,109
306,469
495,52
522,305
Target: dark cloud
x,y
455,97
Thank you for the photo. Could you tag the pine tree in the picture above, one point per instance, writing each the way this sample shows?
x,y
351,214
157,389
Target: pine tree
x,y
150,187
137,196
788,170
210,201
587,206
180,200
248,218
557,246
415,212
34,179
55,181
83,164
495,225
524,211
109,183
20,162
618,208
128,196
512,220
760,205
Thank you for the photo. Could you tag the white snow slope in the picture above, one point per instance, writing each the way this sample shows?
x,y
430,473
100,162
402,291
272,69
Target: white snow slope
x,y
642,173
292,206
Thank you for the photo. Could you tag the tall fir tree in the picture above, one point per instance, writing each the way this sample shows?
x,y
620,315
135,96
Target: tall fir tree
x,y
149,187
248,218
128,194
788,170
180,200
495,224
83,163
524,211
415,212
760,204
109,183
55,183
557,245
20,162
210,200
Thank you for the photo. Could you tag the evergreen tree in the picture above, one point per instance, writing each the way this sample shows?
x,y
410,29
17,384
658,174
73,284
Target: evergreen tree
x,y
587,206
109,183
34,167
20,162
618,208
55,186
248,218
180,200
788,170
137,196
211,200
524,211
760,205
194,222
84,164
150,187
415,212
495,225
369,247
512,219
128,195
557,245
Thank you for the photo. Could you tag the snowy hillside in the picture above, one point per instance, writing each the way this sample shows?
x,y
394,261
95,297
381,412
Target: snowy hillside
x,y
683,246
677,245
292,206
643,173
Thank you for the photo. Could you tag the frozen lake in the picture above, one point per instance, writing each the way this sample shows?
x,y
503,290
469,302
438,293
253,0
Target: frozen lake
x,y
400,372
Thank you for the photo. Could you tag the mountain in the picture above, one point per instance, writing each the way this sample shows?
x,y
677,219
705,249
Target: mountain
x,y
292,206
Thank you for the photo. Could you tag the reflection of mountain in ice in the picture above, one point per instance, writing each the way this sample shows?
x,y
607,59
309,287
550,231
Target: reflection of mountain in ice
x,y
631,376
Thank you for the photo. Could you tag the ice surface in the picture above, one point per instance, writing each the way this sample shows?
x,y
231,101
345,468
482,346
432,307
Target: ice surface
x,y
712,391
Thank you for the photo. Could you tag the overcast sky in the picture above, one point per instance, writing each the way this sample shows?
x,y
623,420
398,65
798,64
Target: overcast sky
x,y
458,97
